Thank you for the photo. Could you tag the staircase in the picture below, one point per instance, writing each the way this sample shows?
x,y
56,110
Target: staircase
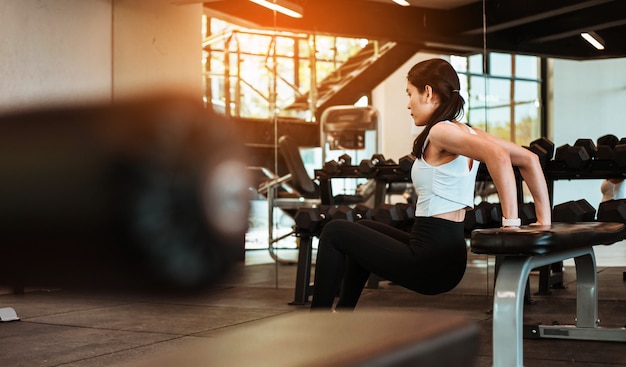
x,y
357,76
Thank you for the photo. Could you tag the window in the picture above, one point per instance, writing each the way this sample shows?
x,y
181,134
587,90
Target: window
x,y
255,73
503,95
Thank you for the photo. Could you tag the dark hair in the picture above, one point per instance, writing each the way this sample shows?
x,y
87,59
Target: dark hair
x,y
444,81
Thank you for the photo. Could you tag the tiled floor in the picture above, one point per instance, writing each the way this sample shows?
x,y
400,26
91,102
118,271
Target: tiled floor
x,y
91,328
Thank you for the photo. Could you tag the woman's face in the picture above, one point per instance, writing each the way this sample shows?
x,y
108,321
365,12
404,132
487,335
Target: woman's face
x,y
422,104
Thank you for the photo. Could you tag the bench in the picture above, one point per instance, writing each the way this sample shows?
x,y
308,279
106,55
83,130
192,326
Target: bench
x,y
528,247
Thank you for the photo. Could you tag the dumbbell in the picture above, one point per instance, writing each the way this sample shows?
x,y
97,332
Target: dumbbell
x,y
612,211
578,155
527,213
391,214
406,163
611,149
332,167
362,211
311,220
544,149
619,153
484,215
574,211
409,209
561,152
342,212
605,146
369,165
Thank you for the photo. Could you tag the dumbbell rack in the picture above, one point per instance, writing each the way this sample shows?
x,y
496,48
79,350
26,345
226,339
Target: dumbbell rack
x,y
382,175
558,170
600,169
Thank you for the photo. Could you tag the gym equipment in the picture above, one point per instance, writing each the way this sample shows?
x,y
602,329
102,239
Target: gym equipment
x,y
574,211
369,165
332,167
551,277
561,152
619,153
527,213
342,212
409,209
345,126
306,192
546,144
588,145
544,149
484,215
605,146
528,247
406,163
612,211
575,157
362,211
380,181
396,215
146,194
311,220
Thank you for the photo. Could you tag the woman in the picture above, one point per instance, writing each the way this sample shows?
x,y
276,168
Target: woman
x,y
432,258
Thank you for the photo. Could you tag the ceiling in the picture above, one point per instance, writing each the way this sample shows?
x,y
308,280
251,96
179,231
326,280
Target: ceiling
x,y
549,28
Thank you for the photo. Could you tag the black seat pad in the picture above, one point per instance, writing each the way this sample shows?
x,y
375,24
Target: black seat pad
x,y
540,240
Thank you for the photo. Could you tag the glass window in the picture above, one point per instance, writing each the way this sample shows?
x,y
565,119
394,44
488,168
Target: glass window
x,y
261,72
506,100
475,64
500,64
527,67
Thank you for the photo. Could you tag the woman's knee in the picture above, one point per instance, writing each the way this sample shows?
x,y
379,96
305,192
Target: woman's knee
x,y
336,229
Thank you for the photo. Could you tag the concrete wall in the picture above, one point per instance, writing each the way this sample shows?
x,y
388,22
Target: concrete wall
x,y
54,51
156,46
73,51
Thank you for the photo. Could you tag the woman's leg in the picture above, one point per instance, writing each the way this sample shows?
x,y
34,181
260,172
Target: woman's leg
x,y
433,262
356,276
386,229
348,251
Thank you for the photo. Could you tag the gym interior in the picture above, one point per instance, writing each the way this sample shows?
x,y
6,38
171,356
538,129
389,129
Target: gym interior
x,y
167,166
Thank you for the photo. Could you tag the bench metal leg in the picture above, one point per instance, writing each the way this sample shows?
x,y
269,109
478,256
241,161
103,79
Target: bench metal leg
x,y
587,323
507,310
586,291
508,301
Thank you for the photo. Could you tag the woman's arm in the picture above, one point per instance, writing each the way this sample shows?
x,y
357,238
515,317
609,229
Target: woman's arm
x,y
532,173
499,156
456,139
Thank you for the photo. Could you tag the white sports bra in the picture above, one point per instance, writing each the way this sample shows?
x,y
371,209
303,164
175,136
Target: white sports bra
x,y
444,188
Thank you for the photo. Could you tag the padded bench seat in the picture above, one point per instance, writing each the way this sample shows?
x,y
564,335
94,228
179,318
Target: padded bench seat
x,y
528,247
541,240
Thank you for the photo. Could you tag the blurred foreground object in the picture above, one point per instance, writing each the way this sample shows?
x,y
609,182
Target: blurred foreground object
x,y
143,194
365,338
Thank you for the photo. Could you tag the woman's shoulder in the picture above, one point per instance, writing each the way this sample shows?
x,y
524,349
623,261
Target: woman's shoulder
x,y
448,127
445,135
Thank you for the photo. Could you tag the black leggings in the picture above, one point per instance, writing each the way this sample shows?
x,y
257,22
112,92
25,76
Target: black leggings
x,y
429,260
